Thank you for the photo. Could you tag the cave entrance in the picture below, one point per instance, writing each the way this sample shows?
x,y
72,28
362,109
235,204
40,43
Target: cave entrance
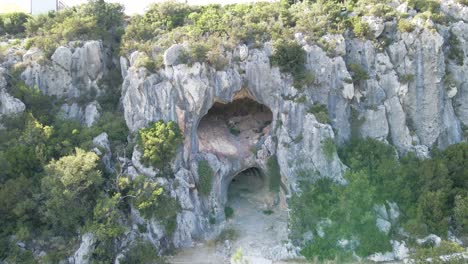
x,y
251,185
260,223
234,129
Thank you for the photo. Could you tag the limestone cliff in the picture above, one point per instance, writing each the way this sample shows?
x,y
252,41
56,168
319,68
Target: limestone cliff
x,y
415,98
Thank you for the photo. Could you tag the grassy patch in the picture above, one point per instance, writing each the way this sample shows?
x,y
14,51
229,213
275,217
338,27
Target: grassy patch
x,y
274,173
205,172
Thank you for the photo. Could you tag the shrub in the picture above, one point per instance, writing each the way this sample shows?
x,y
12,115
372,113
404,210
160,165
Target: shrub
x,y
320,112
94,20
328,148
274,173
142,252
360,28
455,52
13,23
404,25
290,57
406,78
446,248
159,143
205,172
267,212
358,72
146,62
228,212
433,6
463,2
234,130
227,234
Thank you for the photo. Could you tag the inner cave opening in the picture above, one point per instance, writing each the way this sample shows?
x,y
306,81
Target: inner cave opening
x,y
235,128
252,211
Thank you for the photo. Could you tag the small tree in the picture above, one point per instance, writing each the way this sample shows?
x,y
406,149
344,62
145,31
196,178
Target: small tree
x,y
71,187
159,144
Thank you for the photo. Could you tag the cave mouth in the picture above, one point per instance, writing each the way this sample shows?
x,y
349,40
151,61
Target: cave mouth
x,y
234,129
249,190
249,181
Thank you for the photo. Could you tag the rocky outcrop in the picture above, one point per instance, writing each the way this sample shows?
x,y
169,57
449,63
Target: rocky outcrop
x,y
83,253
405,102
8,104
71,72
87,115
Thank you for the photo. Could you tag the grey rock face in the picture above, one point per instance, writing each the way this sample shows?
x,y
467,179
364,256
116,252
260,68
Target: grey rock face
x,y
172,54
375,124
87,115
8,104
82,255
404,102
455,9
103,149
185,94
71,72
459,73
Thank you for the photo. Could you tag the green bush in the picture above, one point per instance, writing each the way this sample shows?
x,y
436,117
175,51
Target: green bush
x,y
274,174
328,148
428,193
142,252
404,25
463,2
406,78
290,57
446,248
205,172
93,20
13,23
320,112
228,212
159,143
432,6
360,28
358,72
455,51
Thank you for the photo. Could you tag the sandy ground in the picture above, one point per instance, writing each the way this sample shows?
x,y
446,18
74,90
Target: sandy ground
x,y
259,233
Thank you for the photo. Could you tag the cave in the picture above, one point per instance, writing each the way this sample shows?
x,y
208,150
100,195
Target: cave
x,y
234,129
250,184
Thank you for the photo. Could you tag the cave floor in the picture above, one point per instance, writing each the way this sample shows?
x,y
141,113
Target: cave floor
x,y
260,233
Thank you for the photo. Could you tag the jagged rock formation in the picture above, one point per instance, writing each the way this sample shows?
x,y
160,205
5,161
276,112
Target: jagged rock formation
x,y
8,104
407,101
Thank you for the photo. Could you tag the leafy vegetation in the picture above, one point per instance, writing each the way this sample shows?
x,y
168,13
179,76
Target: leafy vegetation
x,y
358,72
95,20
228,212
291,58
13,23
455,52
205,172
159,143
320,112
274,174
329,148
142,252
428,192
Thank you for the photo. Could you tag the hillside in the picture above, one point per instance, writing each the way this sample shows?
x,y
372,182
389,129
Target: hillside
x,y
266,132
